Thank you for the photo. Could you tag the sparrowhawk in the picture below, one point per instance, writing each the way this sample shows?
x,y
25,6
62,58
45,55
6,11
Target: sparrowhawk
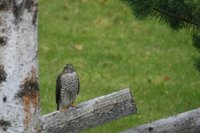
x,y
67,87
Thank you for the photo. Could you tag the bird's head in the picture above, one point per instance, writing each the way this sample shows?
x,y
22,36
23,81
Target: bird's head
x,y
69,68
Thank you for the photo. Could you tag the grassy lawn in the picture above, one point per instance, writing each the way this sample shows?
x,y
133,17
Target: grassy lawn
x,y
110,51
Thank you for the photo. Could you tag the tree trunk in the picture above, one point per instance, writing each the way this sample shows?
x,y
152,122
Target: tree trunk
x,y
19,89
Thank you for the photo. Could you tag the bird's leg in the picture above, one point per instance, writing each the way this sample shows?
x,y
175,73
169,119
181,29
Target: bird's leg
x,y
73,105
64,108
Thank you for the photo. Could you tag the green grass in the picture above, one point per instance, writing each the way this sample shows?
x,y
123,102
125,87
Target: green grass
x,y
111,50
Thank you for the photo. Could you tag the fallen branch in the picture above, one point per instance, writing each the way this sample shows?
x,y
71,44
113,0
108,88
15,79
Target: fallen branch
x,y
187,122
90,113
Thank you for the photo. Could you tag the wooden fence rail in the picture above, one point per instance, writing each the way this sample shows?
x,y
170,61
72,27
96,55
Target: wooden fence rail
x,y
187,122
91,113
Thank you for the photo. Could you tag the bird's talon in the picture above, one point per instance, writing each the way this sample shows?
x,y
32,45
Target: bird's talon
x,y
63,109
73,105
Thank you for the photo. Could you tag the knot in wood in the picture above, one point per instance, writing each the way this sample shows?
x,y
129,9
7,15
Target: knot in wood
x,y
3,74
3,41
29,86
4,124
4,4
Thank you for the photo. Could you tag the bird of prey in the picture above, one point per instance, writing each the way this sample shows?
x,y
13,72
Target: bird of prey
x,y
67,87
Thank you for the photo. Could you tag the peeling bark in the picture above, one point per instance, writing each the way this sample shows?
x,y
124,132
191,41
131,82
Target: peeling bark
x,y
29,86
29,94
19,87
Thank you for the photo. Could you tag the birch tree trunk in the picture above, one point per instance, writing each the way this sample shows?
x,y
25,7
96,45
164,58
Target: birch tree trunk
x,y
19,89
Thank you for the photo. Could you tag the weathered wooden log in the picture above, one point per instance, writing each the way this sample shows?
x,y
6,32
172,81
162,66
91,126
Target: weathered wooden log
x,y
187,122
90,113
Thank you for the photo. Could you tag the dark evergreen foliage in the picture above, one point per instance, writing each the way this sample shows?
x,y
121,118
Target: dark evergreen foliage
x,y
178,14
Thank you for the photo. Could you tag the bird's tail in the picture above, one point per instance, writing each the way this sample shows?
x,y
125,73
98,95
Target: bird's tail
x,y
57,106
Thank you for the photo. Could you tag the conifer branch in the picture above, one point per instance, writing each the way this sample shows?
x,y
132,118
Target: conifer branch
x,y
178,17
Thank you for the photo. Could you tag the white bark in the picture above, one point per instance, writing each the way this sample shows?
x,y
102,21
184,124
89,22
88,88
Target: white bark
x,y
187,122
19,90
91,113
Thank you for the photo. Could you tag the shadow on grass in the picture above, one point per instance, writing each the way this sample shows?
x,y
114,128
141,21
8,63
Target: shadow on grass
x,y
196,40
196,44
197,63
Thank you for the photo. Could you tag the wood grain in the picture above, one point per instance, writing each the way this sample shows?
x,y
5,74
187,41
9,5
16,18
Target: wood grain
x,y
90,113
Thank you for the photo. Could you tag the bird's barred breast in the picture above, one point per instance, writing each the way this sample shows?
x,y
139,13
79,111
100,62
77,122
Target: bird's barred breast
x,y
69,82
